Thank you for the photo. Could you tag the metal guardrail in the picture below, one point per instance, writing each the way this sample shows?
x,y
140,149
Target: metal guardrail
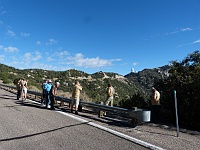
x,y
137,115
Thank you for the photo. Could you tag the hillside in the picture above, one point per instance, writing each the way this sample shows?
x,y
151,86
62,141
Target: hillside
x,y
146,78
94,85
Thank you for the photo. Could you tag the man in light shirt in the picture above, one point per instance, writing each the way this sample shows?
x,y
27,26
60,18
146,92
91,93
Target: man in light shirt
x,y
155,106
75,96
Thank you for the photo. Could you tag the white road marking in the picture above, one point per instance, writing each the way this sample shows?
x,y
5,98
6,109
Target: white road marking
x,y
140,142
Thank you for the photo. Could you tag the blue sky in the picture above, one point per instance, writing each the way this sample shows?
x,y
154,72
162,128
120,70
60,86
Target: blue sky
x,y
97,35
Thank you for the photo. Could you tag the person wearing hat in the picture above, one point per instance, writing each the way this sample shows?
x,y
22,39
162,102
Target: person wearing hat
x,y
48,89
53,93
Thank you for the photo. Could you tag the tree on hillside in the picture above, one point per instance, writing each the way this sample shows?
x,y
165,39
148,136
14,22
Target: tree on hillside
x,y
136,100
185,79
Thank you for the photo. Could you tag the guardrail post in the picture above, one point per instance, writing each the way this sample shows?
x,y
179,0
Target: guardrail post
x,y
100,112
62,102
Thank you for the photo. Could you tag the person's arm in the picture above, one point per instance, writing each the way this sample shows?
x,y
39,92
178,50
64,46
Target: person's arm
x,y
80,88
157,96
53,91
109,91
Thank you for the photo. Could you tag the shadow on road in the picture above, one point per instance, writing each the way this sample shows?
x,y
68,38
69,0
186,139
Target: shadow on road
x,y
86,114
107,120
29,104
8,97
35,134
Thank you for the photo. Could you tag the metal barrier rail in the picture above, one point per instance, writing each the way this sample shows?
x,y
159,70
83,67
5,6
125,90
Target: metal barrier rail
x,y
137,115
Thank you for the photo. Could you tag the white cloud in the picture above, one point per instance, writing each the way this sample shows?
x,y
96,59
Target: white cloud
x,y
25,34
186,29
135,64
30,57
11,49
179,30
64,53
44,66
197,41
58,61
170,33
79,61
51,42
11,33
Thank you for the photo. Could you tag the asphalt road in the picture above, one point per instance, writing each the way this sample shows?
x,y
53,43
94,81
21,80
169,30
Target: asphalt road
x,y
30,126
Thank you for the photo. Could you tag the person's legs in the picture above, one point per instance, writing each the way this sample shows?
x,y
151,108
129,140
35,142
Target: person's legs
x,y
43,96
157,113
76,105
18,93
108,102
23,95
52,102
47,99
72,104
111,102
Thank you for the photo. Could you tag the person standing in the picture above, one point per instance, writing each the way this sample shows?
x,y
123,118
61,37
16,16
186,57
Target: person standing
x,y
75,96
155,106
19,89
110,91
53,93
43,92
48,89
24,89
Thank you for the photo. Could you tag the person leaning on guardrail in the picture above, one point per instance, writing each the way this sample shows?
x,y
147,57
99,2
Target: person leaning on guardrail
x,y
75,96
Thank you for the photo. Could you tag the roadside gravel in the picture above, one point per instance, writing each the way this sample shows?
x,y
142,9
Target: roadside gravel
x,y
160,135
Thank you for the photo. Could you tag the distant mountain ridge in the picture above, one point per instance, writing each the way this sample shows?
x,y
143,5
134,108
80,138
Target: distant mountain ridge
x,y
94,85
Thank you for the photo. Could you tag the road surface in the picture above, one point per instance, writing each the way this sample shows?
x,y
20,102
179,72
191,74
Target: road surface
x,y
29,126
